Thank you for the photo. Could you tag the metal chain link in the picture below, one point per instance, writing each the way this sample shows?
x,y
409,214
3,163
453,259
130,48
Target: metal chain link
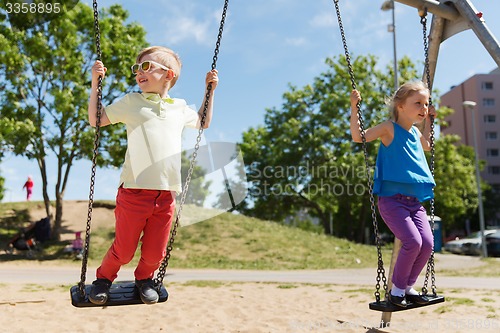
x,y
81,284
163,267
380,267
430,263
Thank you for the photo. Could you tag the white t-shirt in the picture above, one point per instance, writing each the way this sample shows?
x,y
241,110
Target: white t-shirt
x,y
154,135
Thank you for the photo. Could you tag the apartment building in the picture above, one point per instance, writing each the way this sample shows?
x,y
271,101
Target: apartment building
x,y
484,90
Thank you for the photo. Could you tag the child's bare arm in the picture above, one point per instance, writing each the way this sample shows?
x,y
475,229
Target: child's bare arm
x,y
97,70
425,137
213,78
383,130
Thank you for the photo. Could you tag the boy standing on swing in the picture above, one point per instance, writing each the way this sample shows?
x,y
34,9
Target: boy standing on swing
x,y
150,178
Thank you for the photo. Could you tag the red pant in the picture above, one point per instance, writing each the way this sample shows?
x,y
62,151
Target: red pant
x,y
149,212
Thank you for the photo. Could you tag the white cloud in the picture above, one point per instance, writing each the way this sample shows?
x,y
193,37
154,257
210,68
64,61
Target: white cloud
x,y
187,28
298,41
188,22
323,20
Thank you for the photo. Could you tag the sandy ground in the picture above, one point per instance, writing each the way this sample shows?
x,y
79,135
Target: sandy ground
x,y
34,303
244,307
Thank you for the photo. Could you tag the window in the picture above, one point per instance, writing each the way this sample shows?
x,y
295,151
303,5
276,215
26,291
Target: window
x,y
491,135
487,85
494,170
489,118
488,102
492,152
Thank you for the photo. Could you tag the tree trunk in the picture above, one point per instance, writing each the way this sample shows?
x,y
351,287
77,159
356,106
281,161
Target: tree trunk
x,y
56,231
363,215
46,200
325,221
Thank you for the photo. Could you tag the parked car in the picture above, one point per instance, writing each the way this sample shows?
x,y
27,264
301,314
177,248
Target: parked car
x,y
470,245
493,244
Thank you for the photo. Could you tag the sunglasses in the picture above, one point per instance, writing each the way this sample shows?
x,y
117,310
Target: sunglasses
x,y
145,66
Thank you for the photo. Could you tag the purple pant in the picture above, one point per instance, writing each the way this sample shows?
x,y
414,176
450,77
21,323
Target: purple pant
x,y
407,219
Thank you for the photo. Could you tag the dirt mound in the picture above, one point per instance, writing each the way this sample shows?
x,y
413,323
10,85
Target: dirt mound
x,y
75,217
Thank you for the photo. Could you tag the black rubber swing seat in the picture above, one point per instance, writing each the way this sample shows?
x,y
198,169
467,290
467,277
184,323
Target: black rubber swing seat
x,y
386,306
120,293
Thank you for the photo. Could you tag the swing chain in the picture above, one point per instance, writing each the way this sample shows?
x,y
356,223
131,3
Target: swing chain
x,y
163,267
346,51
97,31
430,264
380,267
423,21
81,284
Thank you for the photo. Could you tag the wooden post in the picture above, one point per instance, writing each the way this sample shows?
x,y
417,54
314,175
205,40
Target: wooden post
x,y
385,321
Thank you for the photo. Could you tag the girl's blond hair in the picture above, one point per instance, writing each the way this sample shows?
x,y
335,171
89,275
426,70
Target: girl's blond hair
x,y
164,56
402,94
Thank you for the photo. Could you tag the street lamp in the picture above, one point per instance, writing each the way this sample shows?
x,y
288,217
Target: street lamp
x,y
471,105
389,5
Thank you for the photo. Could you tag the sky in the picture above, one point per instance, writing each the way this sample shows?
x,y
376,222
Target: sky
x,y
267,45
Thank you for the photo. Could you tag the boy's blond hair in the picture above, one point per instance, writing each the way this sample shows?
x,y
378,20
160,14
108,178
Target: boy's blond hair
x,y
402,94
164,56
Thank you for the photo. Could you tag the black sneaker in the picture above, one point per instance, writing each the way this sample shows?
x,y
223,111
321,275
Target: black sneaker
x,y
99,293
419,299
147,291
399,301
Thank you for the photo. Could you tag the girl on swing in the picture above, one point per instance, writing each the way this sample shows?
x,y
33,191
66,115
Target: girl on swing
x,y
402,181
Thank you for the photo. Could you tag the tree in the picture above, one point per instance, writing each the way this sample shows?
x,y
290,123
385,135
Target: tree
x,y
2,189
491,197
233,190
461,186
456,189
303,157
9,130
198,187
45,79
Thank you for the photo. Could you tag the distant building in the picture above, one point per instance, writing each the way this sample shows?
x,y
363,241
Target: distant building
x,y
484,89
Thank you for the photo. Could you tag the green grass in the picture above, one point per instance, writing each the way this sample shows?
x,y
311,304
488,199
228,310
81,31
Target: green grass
x,y
12,218
487,300
443,309
287,286
239,242
205,284
229,241
359,290
490,268
461,301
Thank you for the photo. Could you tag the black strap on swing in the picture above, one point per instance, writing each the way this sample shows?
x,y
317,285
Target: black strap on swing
x,y
379,304
124,292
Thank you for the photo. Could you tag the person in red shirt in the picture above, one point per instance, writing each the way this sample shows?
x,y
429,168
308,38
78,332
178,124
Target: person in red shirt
x,y
29,188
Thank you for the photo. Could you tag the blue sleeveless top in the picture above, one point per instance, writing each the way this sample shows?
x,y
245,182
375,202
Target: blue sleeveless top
x,y
401,167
